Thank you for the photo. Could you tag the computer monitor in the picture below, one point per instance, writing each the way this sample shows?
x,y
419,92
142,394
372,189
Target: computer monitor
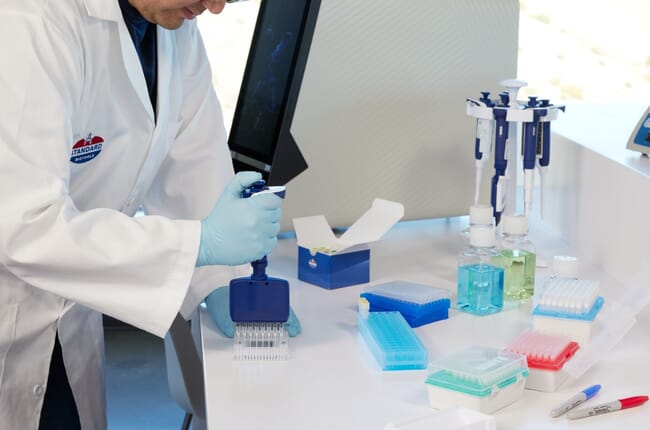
x,y
260,137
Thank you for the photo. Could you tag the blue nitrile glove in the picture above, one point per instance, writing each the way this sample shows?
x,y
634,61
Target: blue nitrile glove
x,y
218,305
240,230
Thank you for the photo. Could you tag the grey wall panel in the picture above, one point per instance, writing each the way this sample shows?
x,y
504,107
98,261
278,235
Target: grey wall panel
x,y
381,111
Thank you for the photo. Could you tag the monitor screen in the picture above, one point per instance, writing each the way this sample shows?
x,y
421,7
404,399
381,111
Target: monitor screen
x,y
260,136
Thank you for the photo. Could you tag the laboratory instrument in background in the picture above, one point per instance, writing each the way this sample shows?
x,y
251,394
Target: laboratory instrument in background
x,y
504,116
517,258
259,305
640,137
480,281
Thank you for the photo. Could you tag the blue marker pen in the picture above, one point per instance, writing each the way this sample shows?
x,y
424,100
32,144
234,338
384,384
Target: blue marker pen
x,y
574,401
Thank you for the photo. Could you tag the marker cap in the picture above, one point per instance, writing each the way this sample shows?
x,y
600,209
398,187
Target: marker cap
x,y
591,391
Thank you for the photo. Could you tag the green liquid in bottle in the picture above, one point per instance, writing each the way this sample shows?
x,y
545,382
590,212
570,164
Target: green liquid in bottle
x,y
519,279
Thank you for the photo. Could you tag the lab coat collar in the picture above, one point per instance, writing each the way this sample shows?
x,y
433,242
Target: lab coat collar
x,y
110,10
103,9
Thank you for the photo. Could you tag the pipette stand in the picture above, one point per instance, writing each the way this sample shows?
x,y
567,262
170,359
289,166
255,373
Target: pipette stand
x,y
533,117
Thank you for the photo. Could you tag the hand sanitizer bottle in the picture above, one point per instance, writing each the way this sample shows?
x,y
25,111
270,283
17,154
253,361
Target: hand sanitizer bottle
x,y
518,258
480,281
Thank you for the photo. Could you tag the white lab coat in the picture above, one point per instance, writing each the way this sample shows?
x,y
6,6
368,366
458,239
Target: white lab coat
x,y
70,248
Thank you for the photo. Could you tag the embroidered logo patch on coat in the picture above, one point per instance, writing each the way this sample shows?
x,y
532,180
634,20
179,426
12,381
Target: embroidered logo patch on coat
x,y
86,149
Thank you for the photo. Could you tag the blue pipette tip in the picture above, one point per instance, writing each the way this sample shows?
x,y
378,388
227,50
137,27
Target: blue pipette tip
x,y
591,391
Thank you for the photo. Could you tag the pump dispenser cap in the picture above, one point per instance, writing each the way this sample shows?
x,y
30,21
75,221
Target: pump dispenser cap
x,y
565,266
480,215
481,236
514,224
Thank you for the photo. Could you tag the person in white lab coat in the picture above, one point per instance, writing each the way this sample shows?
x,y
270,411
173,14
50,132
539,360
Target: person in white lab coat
x,y
97,120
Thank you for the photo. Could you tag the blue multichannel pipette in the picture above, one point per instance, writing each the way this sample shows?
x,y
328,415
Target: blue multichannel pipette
x,y
259,304
497,198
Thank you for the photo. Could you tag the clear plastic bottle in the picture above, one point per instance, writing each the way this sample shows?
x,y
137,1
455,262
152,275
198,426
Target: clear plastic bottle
x,y
517,258
480,281
564,267
478,215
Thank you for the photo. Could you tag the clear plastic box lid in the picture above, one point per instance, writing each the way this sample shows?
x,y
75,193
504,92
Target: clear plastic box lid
x,y
409,292
455,418
478,371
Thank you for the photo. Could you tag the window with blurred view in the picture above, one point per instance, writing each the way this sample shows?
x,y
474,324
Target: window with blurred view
x,y
585,50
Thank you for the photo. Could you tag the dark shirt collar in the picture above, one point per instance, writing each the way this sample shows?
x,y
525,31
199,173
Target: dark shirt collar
x,y
135,22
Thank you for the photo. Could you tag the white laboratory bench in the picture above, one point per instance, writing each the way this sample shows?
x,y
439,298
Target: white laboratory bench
x,y
332,382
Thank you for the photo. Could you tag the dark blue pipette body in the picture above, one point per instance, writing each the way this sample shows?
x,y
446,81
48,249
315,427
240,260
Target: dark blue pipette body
x,y
259,297
500,142
530,134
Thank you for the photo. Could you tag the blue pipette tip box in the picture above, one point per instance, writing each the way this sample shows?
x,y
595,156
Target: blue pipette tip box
x,y
418,304
392,341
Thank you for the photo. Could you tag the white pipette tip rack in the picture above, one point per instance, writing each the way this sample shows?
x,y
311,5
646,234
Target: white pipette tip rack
x,y
546,356
568,307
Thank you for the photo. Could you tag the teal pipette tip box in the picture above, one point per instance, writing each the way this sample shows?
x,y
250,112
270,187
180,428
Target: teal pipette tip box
x,y
481,378
392,341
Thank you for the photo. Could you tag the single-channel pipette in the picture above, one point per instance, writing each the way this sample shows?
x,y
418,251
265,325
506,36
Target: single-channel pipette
x,y
529,149
482,109
498,192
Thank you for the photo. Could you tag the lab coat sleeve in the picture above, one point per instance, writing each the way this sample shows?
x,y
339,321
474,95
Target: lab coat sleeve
x,y
135,269
199,165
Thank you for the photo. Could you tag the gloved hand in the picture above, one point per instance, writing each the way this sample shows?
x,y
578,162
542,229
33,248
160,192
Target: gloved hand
x,y
218,305
240,230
